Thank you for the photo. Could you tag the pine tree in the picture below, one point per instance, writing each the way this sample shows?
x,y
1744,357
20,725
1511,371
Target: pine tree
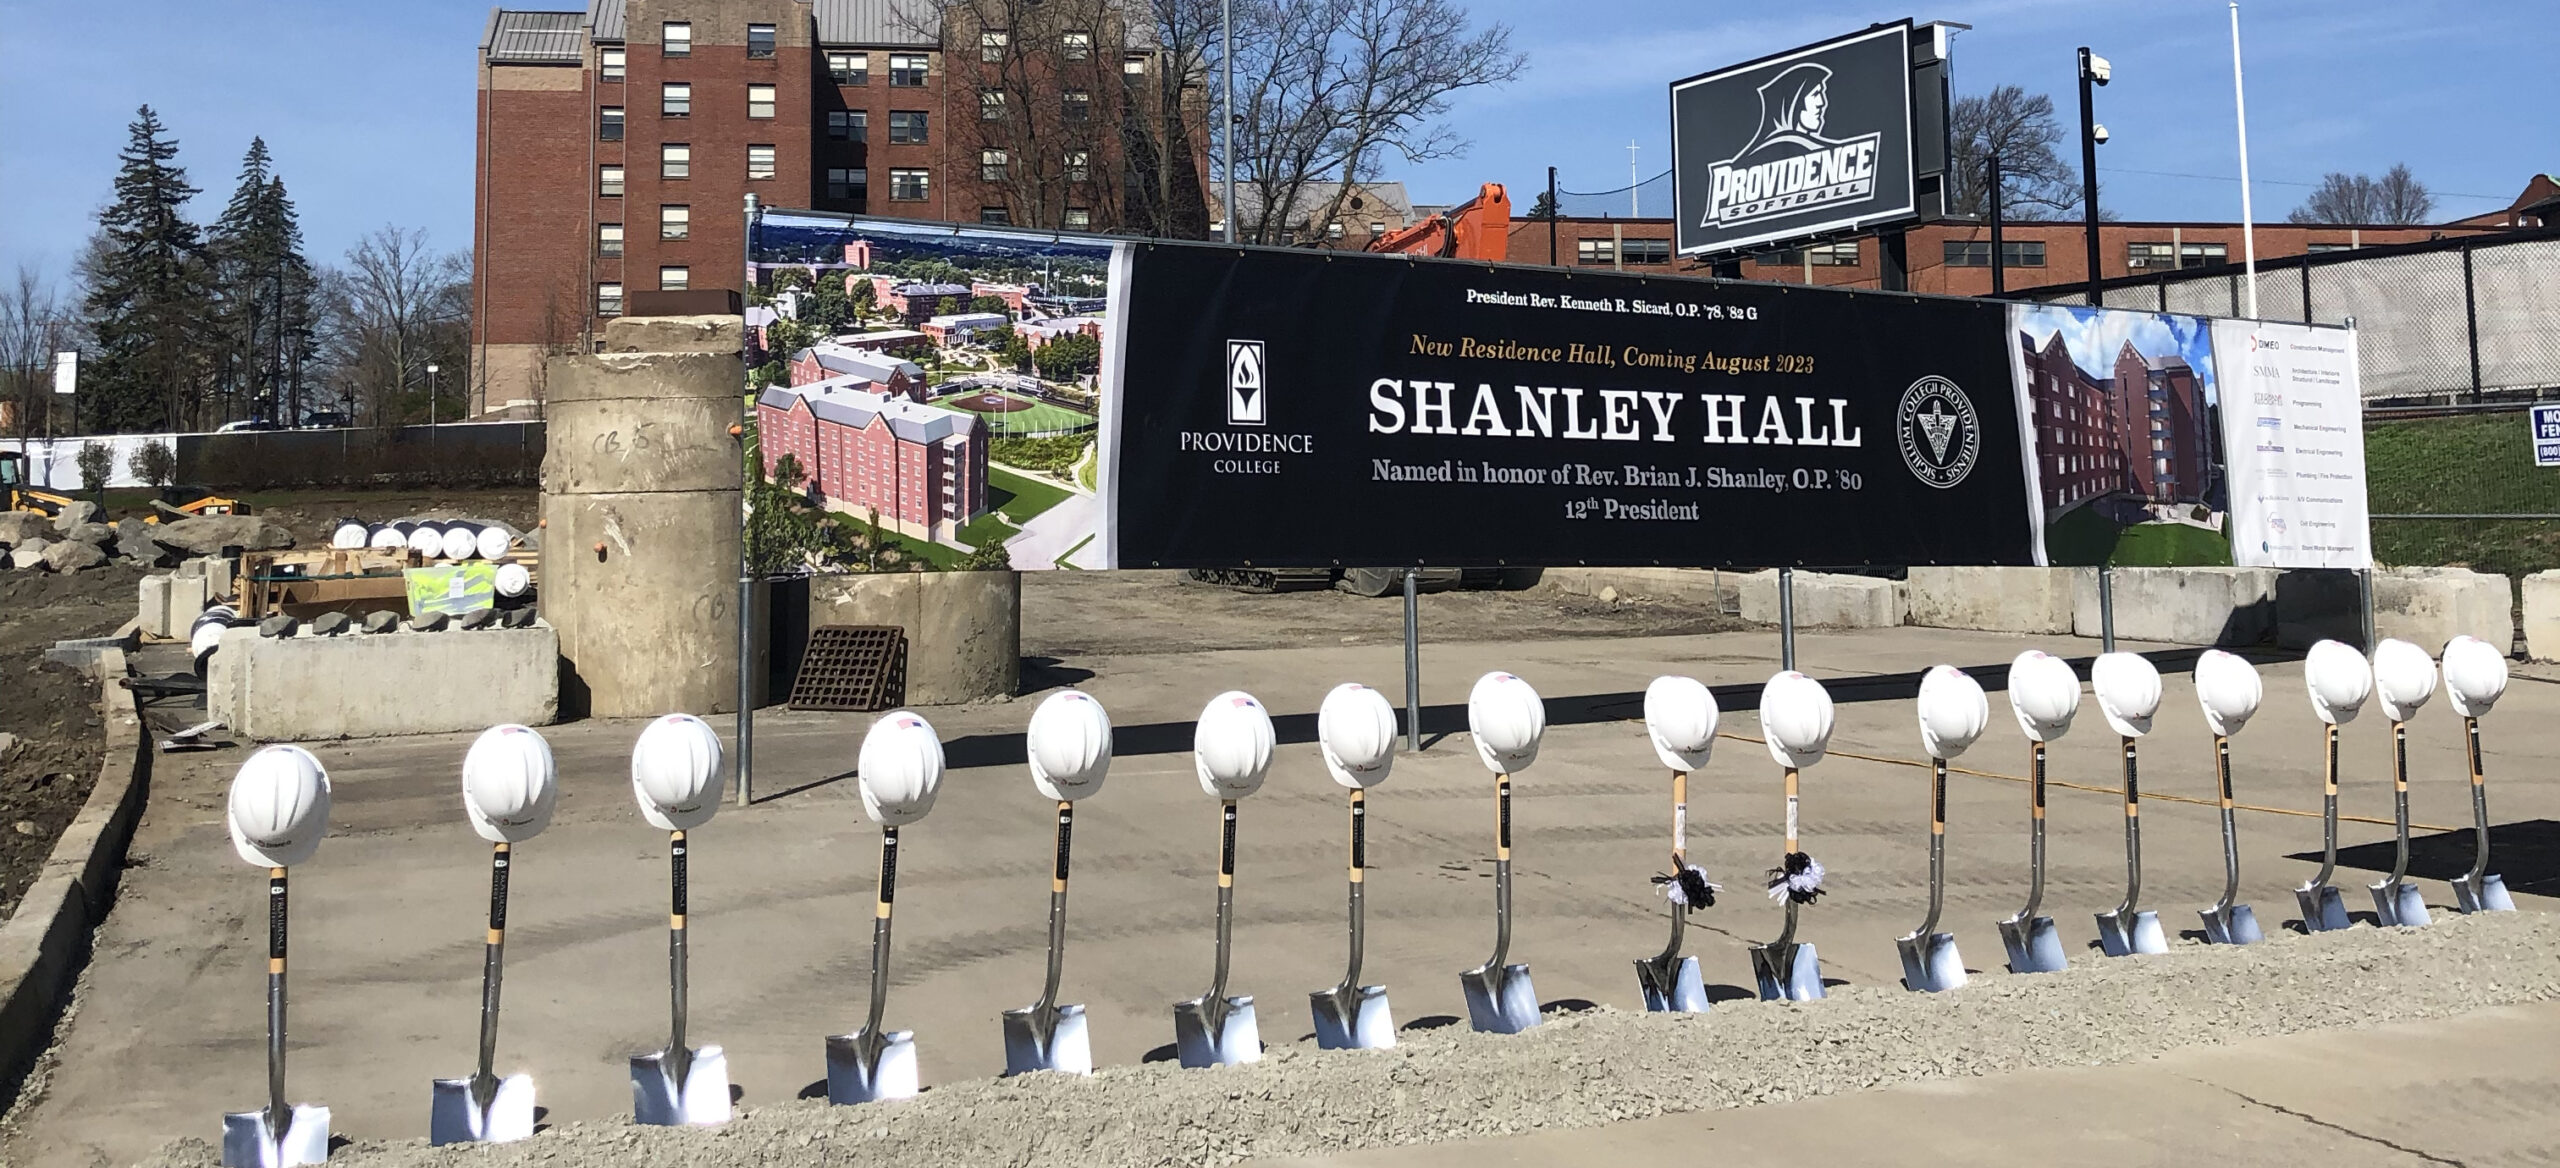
x,y
149,301
265,289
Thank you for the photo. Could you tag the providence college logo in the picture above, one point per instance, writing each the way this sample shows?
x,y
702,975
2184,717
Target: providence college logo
x,y
1788,165
1246,401
1940,436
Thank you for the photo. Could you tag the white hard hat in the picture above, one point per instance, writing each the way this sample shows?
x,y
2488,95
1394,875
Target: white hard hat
x,y
509,784
2227,687
2339,678
1506,718
427,539
1356,729
494,541
1069,745
1953,711
387,537
461,541
1231,745
279,807
2403,678
2475,675
675,772
513,579
349,534
204,639
901,768
2044,694
1680,716
1795,716
2128,689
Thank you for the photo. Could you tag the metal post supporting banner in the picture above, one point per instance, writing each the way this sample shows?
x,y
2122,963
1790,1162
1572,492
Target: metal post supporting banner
x,y
1227,132
2471,321
2089,189
2364,603
1552,211
1999,269
2248,222
747,477
2106,608
1786,618
1412,661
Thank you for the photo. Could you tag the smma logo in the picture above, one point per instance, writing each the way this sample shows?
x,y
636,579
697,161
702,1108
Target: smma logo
x,y
1789,166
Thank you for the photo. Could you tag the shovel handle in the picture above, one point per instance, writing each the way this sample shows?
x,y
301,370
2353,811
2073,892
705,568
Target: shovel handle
x,y
1359,864
1058,908
676,1051
880,928
2328,808
277,1115
1502,817
2035,835
2230,831
493,966
2399,801
2132,835
1937,847
1679,817
1791,811
2479,808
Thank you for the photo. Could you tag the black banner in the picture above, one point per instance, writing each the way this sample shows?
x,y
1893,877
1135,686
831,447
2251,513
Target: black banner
x,y
1309,409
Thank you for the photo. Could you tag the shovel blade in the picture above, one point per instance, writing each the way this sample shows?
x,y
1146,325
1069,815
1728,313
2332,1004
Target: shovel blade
x,y
1789,973
2399,904
862,1069
1500,999
1930,964
2118,937
2237,927
248,1141
2493,895
455,1117
1671,987
1361,1023
2323,910
1063,1046
1236,1039
701,1099
2034,946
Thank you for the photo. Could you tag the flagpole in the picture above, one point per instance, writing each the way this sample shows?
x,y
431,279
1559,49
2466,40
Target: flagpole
x,y
2240,107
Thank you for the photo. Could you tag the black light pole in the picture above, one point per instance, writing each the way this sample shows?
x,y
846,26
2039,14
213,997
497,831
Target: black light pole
x,y
2094,71
1991,180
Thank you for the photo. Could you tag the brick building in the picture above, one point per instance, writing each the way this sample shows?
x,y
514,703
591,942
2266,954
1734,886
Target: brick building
x,y
830,361
617,144
2143,432
923,468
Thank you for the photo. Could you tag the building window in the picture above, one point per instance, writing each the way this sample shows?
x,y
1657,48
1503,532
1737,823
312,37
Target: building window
x,y
1646,251
677,38
1595,251
909,184
609,182
608,239
759,101
906,127
1077,219
991,45
849,125
759,162
759,42
675,278
2325,248
854,184
1075,44
1782,258
995,216
608,300
1079,104
609,123
1833,255
990,105
675,160
2151,255
609,64
2203,255
1976,253
675,221
991,165
1079,165
1133,66
675,99
2022,253
849,68
906,70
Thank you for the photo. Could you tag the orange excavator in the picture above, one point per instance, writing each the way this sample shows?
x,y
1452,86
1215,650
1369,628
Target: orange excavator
x,y
1478,229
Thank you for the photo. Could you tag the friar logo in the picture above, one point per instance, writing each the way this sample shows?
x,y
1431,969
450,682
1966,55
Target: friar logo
x,y
1247,400
1940,434
1788,165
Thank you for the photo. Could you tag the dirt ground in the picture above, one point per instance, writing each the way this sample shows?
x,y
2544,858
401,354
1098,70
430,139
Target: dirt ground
x,y
47,774
311,514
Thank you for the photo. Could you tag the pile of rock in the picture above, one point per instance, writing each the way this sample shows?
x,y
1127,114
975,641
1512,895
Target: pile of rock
x,y
75,539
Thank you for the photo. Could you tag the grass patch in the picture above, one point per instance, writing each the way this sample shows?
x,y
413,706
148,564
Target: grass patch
x,y
2082,536
941,556
2473,464
1019,497
1042,417
987,530
1063,557
1085,474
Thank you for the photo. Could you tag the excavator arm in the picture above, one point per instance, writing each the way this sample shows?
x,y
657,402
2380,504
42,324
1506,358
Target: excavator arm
x,y
1478,229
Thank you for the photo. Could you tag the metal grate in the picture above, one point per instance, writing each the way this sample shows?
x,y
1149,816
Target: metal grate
x,y
852,667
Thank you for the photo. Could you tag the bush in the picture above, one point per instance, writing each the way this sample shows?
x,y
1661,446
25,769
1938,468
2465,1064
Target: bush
x,y
97,462
1053,453
155,464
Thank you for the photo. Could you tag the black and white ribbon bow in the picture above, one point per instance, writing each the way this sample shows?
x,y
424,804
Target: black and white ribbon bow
x,y
1798,879
1687,885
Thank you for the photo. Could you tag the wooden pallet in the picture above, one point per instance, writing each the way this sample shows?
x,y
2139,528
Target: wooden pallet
x,y
852,667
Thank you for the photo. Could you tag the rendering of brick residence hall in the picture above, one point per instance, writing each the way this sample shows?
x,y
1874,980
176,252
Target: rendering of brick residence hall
x,y
829,361
923,468
2143,432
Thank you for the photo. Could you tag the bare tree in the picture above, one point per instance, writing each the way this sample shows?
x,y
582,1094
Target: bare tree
x,y
1328,90
2035,181
1043,138
32,329
2396,197
395,306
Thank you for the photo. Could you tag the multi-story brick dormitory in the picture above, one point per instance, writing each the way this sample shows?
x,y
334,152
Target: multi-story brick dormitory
x,y
922,468
2143,432
617,144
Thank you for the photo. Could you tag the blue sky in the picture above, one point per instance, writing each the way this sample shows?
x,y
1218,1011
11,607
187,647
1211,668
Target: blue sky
x,y
368,103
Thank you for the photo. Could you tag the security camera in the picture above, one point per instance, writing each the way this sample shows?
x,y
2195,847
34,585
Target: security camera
x,y
2098,134
2099,69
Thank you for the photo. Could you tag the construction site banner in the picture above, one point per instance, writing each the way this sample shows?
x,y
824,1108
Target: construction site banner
x,y
2295,433
1302,409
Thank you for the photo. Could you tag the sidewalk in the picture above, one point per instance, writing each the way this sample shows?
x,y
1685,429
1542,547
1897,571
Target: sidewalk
x,y
2474,1090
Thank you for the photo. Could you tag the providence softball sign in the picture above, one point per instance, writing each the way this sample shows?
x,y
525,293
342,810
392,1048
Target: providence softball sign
x,y
1811,141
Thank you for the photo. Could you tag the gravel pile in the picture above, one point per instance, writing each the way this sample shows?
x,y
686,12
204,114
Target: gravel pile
x,y
1594,1067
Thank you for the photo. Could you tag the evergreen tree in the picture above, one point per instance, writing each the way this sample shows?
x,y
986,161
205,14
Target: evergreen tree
x,y
149,298
1544,208
265,287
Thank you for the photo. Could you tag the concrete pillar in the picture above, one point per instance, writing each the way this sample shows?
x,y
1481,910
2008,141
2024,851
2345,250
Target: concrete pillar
x,y
641,464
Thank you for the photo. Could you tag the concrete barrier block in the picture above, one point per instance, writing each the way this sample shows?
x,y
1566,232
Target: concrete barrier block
x,y
964,629
2181,606
1702,587
2429,606
154,606
1998,600
2319,604
188,596
2542,616
398,683
1825,601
